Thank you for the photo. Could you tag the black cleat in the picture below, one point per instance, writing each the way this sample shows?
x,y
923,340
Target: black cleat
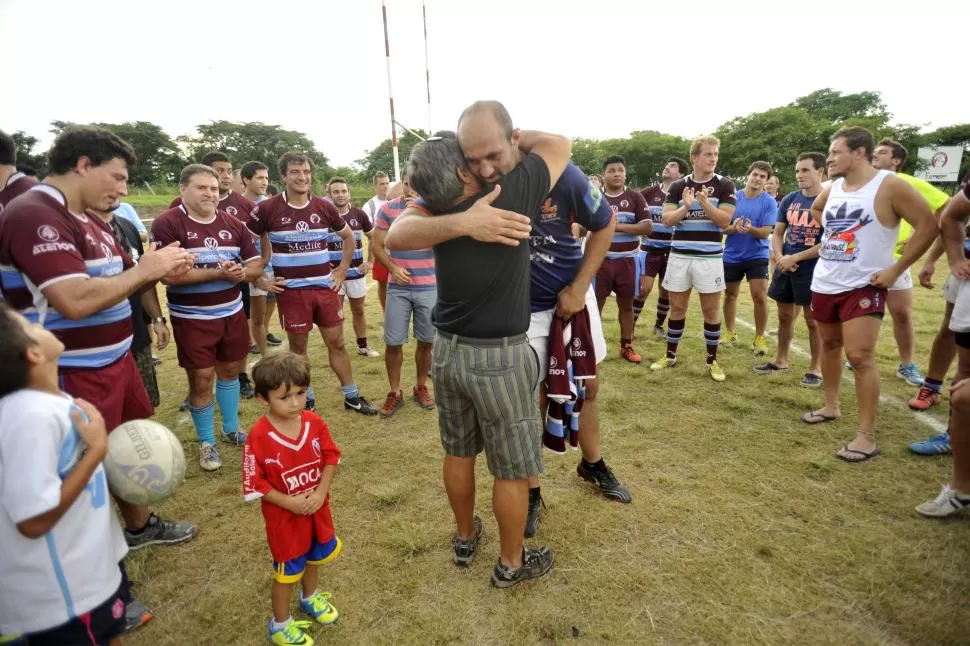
x,y
604,479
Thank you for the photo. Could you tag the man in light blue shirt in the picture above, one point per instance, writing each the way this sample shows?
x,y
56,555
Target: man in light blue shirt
x,y
127,211
746,252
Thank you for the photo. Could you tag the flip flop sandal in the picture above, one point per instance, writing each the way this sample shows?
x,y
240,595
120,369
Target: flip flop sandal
x,y
865,456
809,417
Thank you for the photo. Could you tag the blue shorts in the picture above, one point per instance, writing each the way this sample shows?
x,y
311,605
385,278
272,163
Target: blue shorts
x,y
320,553
401,307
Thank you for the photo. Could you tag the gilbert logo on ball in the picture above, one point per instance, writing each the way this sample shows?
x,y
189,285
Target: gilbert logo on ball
x,y
145,463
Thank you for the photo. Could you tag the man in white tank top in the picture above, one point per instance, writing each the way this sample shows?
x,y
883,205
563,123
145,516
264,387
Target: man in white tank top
x,y
860,213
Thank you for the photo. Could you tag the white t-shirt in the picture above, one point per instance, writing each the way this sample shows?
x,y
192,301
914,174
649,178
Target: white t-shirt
x,y
372,206
47,581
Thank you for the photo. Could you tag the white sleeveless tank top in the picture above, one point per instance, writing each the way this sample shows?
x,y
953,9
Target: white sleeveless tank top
x,y
854,244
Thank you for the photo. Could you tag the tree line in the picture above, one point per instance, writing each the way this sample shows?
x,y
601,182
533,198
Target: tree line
x,y
777,135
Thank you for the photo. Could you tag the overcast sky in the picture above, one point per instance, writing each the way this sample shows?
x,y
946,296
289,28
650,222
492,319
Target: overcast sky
x,y
591,69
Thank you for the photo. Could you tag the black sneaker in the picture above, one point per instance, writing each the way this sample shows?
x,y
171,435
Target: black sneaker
x,y
464,550
536,561
532,520
272,339
359,404
137,615
245,386
161,532
603,478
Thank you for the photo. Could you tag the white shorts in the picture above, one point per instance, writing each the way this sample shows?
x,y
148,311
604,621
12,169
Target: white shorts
x,y
903,283
706,275
540,323
950,288
960,319
256,291
354,288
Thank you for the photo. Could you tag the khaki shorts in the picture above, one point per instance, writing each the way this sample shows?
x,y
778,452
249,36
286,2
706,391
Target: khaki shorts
x,y
487,391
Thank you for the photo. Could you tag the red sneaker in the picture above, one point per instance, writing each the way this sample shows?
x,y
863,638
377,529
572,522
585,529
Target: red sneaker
x,y
423,397
391,404
925,400
629,354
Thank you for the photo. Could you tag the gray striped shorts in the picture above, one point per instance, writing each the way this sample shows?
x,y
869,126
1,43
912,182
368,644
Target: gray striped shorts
x,y
486,390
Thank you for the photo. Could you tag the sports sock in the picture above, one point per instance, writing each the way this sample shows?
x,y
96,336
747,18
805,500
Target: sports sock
x,y
663,309
275,626
599,465
625,343
935,385
227,395
675,329
302,598
712,336
637,308
204,419
351,391
362,342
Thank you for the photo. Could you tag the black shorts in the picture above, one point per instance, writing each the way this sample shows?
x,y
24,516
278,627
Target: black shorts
x,y
244,288
750,269
793,287
95,628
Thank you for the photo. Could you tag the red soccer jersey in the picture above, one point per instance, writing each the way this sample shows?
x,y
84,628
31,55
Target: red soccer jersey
x,y
629,207
273,461
360,225
300,238
223,239
41,243
17,184
236,205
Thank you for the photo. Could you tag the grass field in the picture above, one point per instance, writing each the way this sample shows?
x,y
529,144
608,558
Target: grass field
x,y
743,528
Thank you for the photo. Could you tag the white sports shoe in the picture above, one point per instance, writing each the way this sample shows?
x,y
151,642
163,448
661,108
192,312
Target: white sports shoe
x,y
947,503
209,457
367,352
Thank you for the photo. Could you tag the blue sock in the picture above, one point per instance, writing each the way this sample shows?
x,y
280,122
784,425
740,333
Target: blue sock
x,y
227,394
204,419
309,393
350,392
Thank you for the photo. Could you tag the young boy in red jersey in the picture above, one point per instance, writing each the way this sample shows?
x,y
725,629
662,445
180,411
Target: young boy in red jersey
x,y
289,462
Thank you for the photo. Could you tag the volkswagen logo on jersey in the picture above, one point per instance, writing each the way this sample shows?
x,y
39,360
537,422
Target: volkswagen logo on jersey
x,y
224,235
302,226
314,218
211,244
47,233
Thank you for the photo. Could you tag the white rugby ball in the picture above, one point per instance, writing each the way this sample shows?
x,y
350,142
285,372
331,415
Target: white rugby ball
x,y
145,463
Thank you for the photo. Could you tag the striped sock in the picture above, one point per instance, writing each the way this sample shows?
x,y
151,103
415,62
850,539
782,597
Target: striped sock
x,y
351,391
637,308
663,309
227,395
204,419
712,336
936,385
675,330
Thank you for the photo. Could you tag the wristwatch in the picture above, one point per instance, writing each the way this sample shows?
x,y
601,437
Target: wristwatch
x,y
159,319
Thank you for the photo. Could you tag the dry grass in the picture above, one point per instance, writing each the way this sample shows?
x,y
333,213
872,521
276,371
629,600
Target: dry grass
x,y
743,529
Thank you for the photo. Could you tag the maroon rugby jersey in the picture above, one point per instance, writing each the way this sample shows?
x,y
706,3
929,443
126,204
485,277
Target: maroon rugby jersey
x,y
42,243
299,238
359,224
17,184
629,207
223,239
659,237
233,203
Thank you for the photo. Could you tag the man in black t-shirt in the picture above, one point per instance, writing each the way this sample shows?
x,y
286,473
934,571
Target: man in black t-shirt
x,y
485,372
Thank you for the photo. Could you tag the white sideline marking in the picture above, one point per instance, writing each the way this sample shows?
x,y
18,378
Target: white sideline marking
x,y
937,426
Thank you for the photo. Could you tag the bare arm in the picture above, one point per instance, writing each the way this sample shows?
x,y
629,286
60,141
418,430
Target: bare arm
x,y
674,214
597,244
377,244
641,228
778,239
370,246
818,206
198,275
719,215
760,232
953,224
912,207
350,244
